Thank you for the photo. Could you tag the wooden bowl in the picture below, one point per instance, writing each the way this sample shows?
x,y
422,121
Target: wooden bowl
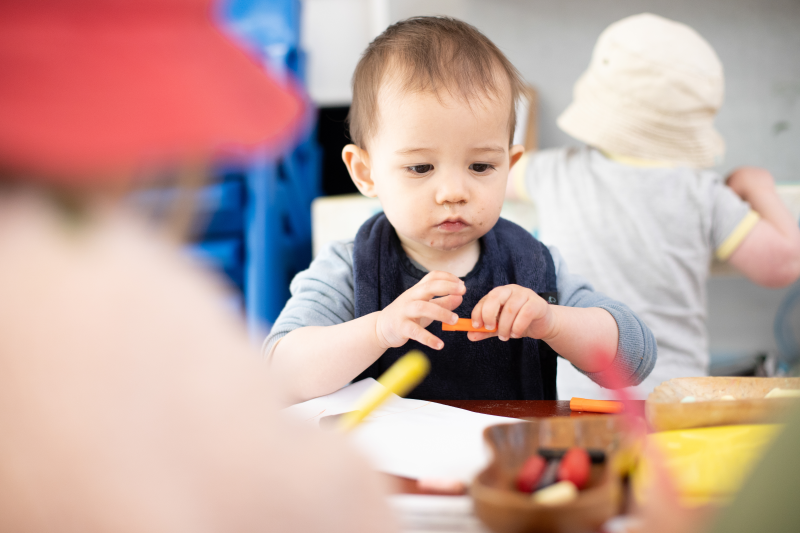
x,y
664,410
505,510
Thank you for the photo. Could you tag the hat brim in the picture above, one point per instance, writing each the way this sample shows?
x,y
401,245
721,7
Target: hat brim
x,y
85,93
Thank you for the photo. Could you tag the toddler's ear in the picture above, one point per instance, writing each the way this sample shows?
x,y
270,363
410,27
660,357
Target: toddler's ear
x,y
515,153
357,162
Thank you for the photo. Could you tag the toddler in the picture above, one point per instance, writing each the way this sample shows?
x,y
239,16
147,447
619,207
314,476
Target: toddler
x,y
431,121
635,211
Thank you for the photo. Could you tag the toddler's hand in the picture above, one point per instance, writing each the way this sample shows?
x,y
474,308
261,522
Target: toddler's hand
x,y
408,316
516,311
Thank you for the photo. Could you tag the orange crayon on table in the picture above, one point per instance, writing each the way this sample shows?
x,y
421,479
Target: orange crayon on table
x,y
465,324
595,406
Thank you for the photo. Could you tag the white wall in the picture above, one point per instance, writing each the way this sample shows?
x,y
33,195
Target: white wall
x,y
334,33
551,41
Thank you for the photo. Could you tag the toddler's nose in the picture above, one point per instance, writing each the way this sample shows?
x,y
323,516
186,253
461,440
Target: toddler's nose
x,y
452,191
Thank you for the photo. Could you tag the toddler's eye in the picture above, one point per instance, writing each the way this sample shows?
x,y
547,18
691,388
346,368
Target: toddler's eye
x,y
420,169
481,168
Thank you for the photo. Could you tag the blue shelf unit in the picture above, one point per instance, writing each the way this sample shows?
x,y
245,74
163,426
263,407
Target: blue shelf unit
x,y
277,232
253,222
276,214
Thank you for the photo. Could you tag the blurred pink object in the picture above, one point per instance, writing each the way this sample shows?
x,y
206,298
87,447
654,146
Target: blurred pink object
x,y
93,90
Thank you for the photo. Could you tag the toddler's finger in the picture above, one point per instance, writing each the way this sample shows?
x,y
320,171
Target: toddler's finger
x,y
476,336
531,311
440,275
492,304
509,312
426,290
422,309
414,331
449,302
477,314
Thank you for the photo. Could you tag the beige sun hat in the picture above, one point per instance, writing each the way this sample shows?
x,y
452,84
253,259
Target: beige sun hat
x,y
651,92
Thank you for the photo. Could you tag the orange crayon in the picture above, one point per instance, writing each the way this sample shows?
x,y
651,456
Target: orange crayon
x,y
465,324
595,406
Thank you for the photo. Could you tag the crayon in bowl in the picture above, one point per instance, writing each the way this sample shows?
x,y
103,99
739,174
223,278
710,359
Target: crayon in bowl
x,y
555,476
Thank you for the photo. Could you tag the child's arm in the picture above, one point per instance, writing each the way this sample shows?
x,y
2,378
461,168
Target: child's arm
x,y
603,338
320,360
770,254
587,337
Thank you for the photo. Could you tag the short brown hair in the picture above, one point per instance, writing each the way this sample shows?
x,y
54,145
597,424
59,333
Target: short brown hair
x,y
433,53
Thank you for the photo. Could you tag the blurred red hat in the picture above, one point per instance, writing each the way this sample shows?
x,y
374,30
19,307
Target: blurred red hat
x,y
92,87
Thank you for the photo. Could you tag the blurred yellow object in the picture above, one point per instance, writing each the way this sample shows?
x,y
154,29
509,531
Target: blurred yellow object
x,y
399,379
707,465
624,462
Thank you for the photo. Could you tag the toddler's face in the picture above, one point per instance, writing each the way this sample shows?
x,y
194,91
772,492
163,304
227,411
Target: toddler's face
x,y
439,166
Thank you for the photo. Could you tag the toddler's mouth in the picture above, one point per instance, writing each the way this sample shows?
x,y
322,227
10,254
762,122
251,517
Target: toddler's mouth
x,y
452,225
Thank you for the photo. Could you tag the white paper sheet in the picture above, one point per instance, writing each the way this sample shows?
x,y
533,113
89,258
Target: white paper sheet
x,y
410,438
339,402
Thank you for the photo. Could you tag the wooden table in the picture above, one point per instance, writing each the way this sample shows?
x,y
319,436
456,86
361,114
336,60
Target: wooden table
x,y
527,408
514,409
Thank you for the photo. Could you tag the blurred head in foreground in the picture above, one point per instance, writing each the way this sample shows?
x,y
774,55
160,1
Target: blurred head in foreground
x,y
651,91
128,400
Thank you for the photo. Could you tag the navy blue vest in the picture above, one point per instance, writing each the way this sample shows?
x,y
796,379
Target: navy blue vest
x,y
518,369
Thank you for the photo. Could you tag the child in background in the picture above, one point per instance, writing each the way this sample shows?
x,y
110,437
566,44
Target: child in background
x,y
432,119
635,211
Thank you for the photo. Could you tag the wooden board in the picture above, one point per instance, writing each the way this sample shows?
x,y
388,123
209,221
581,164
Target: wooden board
x,y
505,510
664,410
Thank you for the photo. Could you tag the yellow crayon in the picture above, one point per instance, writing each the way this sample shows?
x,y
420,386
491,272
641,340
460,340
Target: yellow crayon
x,y
401,377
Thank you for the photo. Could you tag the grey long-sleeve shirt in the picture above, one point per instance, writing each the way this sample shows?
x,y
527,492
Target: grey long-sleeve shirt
x,y
324,295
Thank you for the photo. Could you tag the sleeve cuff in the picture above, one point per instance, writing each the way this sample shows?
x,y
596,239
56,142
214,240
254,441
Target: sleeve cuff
x,y
736,237
636,351
270,342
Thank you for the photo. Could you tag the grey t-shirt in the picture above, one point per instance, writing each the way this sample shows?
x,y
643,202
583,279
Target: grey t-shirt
x,y
324,295
644,236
